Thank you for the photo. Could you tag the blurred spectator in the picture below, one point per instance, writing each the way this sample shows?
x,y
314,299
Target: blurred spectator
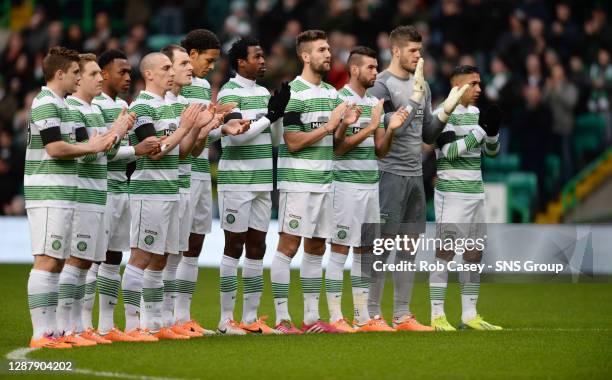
x,y
55,35
512,45
531,127
101,34
11,173
74,38
236,24
533,67
561,97
450,24
544,63
537,42
600,74
36,33
579,75
500,75
138,12
502,88
169,18
564,31
597,34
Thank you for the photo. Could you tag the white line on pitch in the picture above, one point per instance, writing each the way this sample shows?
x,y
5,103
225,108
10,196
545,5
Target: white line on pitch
x,y
22,354
568,329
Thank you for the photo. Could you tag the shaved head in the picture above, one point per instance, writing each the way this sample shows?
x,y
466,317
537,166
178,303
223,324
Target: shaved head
x,y
152,60
156,69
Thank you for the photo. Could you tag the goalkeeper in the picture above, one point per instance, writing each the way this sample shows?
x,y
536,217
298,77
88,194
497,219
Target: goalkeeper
x,y
402,196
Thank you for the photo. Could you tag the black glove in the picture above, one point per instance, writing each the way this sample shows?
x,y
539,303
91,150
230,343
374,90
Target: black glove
x,y
277,103
445,138
490,120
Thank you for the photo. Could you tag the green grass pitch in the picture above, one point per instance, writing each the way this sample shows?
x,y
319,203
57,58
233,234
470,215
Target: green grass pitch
x,y
553,331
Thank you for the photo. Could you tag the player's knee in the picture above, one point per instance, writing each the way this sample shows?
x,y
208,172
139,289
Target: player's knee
x,y
445,255
343,249
472,256
314,246
234,248
256,251
234,244
139,258
196,241
48,263
158,262
79,263
288,244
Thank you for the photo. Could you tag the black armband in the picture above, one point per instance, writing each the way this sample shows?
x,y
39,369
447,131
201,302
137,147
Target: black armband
x,y
51,134
144,131
292,118
231,116
445,138
80,134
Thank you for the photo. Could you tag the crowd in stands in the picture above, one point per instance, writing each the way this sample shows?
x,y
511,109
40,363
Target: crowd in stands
x,y
546,63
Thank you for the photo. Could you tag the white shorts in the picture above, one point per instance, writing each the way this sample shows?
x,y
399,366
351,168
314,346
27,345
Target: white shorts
x,y
155,226
201,204
89,235
185,220
118,219
305,214
459,217
356,216
50,231
241,210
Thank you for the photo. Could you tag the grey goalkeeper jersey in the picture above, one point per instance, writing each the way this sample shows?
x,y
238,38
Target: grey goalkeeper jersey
x,y
404,157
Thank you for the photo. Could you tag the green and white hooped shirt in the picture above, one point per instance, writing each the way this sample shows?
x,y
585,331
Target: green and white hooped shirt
x,y
310,169
91,168
458,163
117,177
178,104
358,168
246,166
48,181
154,179
199,92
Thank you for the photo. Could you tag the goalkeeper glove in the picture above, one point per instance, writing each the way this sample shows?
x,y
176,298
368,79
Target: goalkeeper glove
x,y
451,102
418,87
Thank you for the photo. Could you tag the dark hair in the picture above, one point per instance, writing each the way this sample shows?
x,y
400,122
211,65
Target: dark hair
x,y
58,58
240,50
169,50
401,35
109,56
359,51
200,40
308,36
463,70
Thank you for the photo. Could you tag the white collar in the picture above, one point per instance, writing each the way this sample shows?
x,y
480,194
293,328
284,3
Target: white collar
x,y
244,81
